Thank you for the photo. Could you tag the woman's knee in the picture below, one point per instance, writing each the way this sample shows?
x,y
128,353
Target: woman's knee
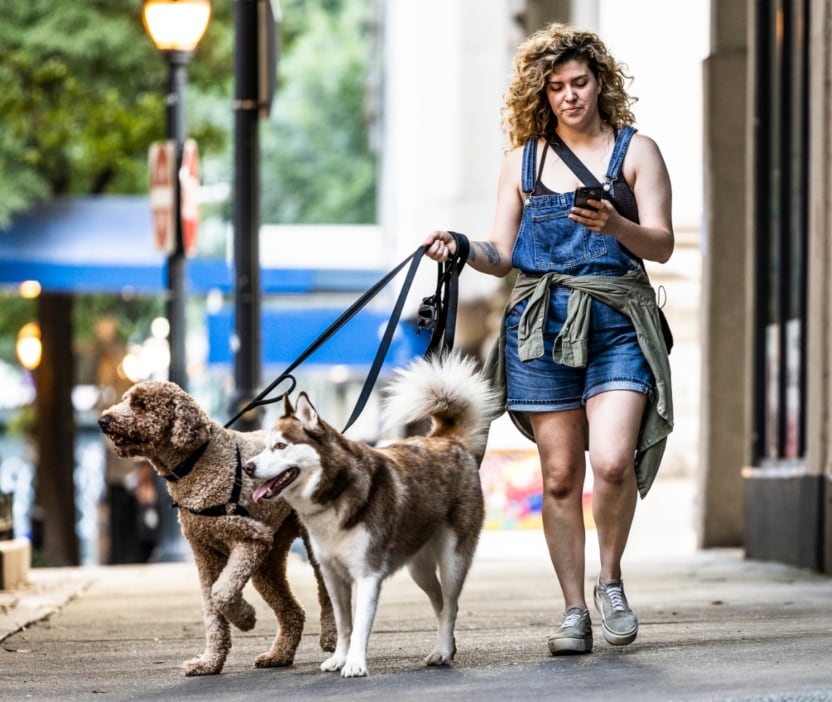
x,y
613,470
562,483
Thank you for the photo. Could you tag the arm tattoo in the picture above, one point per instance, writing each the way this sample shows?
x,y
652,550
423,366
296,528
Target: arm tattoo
x,y
488,250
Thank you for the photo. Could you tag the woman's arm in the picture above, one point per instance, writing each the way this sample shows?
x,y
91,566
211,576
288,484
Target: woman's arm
x,y
494,255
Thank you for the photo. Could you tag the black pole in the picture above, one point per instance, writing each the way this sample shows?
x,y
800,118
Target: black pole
x,y
176,295
172,546
246,211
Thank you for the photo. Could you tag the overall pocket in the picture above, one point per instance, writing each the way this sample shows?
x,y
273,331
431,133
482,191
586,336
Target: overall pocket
x,y
560,244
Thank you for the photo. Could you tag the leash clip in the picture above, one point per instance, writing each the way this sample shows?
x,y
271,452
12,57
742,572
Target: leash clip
x,y
428,314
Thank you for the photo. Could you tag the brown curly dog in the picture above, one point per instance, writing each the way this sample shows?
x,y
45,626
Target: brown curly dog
x,y
232,538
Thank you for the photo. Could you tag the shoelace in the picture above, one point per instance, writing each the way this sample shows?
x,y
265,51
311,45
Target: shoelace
x,y
616,597
572,618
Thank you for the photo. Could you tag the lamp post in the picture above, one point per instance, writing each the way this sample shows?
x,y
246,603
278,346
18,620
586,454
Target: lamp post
x,y
176,27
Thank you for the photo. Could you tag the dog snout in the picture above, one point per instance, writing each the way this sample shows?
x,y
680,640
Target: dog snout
x,y
249,468
104,421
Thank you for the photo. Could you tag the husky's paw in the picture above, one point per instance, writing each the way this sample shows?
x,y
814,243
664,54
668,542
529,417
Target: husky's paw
x,y
442,654
354,669
204,665
437,657
333,663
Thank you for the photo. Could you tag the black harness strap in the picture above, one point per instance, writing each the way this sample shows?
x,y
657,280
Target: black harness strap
x,y
222,510
186,466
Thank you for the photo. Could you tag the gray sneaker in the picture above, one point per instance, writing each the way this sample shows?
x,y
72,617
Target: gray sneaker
x,y
574,635
618,622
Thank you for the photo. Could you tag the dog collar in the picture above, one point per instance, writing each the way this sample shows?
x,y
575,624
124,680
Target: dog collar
x,y
186,466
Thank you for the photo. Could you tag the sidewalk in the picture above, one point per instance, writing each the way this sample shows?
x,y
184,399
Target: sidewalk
x,y
713,627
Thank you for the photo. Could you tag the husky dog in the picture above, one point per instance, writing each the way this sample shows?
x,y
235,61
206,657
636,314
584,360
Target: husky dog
x,y
369,511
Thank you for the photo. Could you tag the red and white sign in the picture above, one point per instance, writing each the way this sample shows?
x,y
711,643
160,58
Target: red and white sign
x,y
162,167
189,195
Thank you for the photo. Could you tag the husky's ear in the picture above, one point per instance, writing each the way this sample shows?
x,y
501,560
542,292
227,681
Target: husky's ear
x,y
288,410
306,413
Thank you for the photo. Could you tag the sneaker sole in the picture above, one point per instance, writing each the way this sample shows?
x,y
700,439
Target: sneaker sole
x,y
566,647
617,639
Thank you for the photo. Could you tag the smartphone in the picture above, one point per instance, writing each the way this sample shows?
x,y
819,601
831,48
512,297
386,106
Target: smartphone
x,y
588,192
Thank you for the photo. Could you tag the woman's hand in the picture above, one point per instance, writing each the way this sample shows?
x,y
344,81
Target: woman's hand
x,y
601,219
439,245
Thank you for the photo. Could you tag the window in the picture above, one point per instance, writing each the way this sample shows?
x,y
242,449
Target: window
x,y
781,224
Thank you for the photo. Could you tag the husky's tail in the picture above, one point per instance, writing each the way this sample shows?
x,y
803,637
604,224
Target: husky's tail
x,y
450,391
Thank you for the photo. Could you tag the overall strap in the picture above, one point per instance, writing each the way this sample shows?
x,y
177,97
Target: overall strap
x,y
622,143
529,155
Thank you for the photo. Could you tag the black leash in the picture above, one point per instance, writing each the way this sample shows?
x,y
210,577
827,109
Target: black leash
x,y
437,312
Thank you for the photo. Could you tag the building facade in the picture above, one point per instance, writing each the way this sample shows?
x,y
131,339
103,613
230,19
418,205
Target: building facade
x,y
767,356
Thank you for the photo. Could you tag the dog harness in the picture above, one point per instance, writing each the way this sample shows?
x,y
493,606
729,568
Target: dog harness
x,y
232,507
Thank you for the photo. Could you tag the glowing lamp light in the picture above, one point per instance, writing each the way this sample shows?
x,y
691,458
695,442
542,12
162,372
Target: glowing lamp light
x,y
29,289
176,25
28,346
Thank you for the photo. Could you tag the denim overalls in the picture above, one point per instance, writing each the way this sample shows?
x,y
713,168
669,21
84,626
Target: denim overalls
x,y
549,241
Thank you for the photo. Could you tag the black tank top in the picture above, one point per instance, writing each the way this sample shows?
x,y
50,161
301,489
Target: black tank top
x,y
623,197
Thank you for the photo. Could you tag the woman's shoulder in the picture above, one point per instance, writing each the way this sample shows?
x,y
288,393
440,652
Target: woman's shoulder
x,y
643,144
513,157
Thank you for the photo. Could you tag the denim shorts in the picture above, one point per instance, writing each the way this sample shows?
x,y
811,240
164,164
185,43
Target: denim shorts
x,y
615,361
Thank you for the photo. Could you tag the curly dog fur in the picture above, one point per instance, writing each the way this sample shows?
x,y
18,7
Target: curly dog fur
x,y
159,421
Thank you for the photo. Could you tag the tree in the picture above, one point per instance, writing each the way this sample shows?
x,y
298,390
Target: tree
x,y
83,96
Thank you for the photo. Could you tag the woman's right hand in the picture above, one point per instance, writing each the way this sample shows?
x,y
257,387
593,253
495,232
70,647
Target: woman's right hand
x,y
439,245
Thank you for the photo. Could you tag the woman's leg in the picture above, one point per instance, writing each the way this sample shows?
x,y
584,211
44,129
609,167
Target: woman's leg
x,y
561,441
614,419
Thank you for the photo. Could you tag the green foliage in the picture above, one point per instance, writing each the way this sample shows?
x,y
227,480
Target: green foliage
x,y
83,95
318,165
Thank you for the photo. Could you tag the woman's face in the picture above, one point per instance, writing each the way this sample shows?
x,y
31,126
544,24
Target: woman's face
x,y
572,91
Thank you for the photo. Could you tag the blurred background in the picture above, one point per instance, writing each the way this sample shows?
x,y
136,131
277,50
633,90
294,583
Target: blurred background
x,y
203,213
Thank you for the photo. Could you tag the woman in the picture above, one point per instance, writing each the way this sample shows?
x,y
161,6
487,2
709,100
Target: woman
x,y
581,353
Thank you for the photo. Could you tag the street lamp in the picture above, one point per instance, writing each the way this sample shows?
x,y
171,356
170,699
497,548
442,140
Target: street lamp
x,y
176,27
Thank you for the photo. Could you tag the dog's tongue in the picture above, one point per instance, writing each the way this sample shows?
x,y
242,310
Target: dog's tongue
x,y
273,487
262,490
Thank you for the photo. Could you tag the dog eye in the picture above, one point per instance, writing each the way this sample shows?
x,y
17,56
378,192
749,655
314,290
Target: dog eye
x,y
279,446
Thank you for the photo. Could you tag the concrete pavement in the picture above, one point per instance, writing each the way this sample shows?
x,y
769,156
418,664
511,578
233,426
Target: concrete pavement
x,y
714,626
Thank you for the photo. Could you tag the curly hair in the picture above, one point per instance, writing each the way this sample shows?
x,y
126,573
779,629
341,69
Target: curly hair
x,y
526,112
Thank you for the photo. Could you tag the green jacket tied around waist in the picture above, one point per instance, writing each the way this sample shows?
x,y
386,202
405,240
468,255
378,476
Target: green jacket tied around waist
x,y
631,294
